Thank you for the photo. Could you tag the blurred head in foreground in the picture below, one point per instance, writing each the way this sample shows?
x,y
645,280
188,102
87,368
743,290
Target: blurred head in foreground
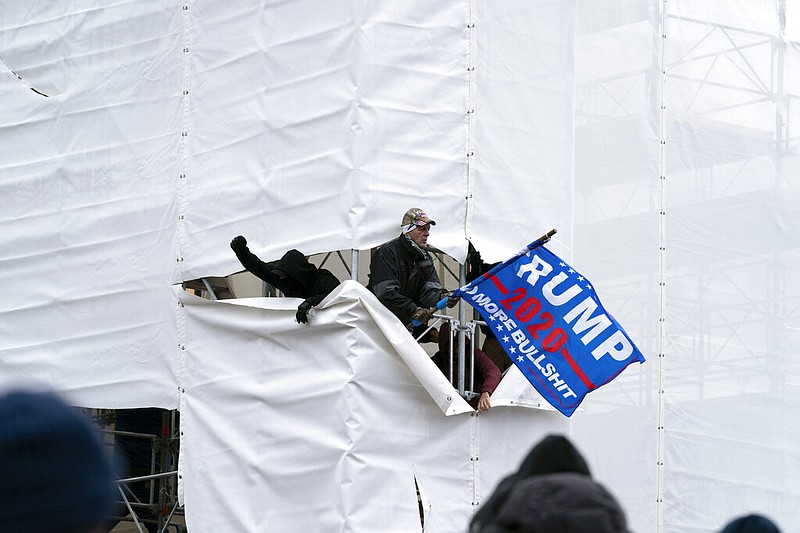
x,y
752,523
56,476
551,492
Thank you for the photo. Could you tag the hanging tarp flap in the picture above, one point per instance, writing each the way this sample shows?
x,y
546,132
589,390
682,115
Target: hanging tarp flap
x,y
332,424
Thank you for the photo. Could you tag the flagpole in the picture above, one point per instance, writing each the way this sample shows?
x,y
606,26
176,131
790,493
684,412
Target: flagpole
x,y
532,246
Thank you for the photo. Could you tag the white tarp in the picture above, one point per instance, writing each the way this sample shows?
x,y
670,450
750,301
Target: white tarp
x,y
701,266
331,426
321,123
732,389
137,138
89,205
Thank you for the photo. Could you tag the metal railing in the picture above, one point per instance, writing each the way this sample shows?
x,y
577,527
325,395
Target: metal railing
x,y
160,509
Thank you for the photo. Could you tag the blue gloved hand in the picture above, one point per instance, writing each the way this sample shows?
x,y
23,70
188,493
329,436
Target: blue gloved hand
x,y
422,314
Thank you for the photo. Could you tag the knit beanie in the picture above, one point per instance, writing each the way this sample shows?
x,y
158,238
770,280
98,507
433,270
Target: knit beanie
x,y
564,502
56,476
752,523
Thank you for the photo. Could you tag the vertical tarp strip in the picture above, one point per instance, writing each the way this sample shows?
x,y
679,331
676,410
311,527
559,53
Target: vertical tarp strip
x,y
470,105
662,271
181,229
184,145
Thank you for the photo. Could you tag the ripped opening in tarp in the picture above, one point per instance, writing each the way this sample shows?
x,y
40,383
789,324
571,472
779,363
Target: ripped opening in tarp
x,y
351,305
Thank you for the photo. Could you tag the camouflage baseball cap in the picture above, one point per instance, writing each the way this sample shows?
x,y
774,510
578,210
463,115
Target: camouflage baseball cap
x,y
417,217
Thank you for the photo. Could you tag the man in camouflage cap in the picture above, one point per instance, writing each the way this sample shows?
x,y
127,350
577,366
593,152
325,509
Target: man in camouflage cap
x,y
402,275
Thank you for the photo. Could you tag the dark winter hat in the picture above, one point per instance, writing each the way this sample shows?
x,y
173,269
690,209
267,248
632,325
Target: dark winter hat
x,y
417,217
554,453
564,502
752,523
56,476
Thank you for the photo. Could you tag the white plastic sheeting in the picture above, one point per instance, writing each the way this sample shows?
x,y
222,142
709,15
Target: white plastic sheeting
x,y
89,210
523,97
156,131
733,242
321,123
686,206
331,426
656,136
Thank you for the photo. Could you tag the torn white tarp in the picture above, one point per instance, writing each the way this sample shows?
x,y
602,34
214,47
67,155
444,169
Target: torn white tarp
x,y
158,131
330,426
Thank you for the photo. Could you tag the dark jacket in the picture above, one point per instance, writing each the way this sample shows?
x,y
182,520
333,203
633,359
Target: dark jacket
x,y
476,267
303,280
552,454
487,375
403,278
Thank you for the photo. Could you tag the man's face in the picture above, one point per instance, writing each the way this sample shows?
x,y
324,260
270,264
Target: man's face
x,y
420,235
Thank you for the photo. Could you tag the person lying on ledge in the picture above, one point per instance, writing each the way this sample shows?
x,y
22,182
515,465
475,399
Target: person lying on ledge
x,y
292,274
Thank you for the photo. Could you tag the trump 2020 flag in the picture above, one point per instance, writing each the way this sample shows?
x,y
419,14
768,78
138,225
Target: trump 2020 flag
x,y
552,325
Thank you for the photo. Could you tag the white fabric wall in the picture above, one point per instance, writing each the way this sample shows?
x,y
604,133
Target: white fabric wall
x,y
89,207
617,237
523,127
656,136
701,266
733,236
321,123
325,427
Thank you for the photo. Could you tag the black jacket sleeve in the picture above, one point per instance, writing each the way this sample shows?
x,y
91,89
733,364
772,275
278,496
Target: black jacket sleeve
x,y
256,266
324,283
385,283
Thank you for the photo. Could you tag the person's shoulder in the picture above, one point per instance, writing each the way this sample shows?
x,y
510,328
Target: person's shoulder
x,y
389,247
325,273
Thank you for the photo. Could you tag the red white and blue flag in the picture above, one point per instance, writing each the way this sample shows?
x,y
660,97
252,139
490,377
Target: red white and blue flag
x,y
551,323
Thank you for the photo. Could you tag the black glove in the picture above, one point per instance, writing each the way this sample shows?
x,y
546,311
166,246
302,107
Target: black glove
x,y
422,314
302,312
239,244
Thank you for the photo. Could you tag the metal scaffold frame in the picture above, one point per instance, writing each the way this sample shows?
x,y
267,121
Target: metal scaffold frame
x,y
160,509
619,97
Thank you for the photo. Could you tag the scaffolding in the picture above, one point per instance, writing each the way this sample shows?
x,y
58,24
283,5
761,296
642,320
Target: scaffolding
x,y
719,76
148,493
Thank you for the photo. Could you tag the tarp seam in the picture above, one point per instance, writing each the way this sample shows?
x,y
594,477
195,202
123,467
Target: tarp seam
x,y
184,142
662,272
180,229
470,118
474,425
